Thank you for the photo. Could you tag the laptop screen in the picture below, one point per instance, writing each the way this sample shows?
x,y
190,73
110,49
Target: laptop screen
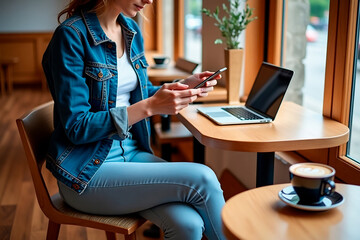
x,y
269,89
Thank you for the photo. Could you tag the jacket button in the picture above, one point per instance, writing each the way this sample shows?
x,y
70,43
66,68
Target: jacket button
x,y
96,161
109,45
110,102
100,74
76,186
137,66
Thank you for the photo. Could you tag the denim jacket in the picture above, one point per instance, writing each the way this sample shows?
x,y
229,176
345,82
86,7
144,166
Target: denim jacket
x,y
81,69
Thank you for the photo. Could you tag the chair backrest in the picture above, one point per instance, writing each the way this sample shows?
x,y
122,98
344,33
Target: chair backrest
x,y
35,129
186,65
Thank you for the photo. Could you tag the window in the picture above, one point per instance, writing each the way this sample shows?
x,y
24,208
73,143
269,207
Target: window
x,y
304,50
174,29
192,32
353,150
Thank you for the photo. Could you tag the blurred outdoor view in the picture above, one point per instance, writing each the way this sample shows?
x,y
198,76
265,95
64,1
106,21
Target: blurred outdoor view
x,y
193,24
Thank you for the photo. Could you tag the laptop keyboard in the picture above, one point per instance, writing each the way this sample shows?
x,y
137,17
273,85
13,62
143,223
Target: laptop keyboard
x,y
241,113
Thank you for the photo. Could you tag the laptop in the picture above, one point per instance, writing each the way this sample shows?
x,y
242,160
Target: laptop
x,y
262,103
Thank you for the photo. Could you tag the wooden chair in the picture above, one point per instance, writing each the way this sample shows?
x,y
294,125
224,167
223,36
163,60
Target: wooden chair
x,y
35,129
186,65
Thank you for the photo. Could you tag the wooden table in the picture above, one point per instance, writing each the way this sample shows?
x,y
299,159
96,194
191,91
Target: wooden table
x,y
295,128
160,75
260,214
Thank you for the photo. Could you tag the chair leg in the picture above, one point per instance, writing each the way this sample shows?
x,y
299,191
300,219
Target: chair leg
x,y
131,236
53,231
110,235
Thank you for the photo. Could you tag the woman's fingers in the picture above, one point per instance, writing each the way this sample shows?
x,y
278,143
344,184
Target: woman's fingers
x,y
210,83
175,86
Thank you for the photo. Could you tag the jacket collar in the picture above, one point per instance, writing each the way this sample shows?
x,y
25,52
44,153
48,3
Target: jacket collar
x,y
97,34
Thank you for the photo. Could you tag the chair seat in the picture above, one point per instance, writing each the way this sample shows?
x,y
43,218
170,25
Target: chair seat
x,y
122,223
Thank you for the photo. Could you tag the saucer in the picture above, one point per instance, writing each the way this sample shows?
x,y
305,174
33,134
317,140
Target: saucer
x,y
159,66
289,197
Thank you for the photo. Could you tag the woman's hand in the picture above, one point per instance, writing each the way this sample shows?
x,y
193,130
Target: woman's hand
x,y
195,79
172,97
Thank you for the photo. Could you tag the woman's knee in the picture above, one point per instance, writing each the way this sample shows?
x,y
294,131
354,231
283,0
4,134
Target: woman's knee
x,y
187,224
207,177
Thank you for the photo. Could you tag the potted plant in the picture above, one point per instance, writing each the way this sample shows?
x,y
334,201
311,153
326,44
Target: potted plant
x,y
233,22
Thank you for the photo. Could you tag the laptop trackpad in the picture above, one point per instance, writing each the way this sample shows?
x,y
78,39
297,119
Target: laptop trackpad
x,y
218,114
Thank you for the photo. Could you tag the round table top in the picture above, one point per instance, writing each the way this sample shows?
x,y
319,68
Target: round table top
x,y
260,214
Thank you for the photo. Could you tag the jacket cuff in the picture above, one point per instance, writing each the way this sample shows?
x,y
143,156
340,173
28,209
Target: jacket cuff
x,y
120,119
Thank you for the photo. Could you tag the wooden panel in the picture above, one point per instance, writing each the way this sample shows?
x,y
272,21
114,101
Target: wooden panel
x,y
330,57
152,27
254,45
346,169
24,49
318,155
179,23
275,32
28,48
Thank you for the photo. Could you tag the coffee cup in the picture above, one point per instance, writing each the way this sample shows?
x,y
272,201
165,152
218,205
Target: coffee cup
x,y
161,60
312,181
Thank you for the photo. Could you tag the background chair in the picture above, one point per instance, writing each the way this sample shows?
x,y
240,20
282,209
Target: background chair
x,y
186,65
35,129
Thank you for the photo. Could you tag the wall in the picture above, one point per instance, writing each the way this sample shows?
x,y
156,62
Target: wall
x,y
26,16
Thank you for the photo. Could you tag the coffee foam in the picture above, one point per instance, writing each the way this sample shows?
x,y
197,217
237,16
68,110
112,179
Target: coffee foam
x,y
310,170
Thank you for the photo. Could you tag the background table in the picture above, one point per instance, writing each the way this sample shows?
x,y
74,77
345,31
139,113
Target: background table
x,y
160,75
295,128
260,214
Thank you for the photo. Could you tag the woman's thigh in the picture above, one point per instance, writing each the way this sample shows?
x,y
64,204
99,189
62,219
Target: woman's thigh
x,y
121,188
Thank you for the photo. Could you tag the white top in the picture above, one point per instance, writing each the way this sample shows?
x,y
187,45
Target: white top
x,y
127,80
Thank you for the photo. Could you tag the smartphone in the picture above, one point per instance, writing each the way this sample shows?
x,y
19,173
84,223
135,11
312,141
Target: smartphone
x,y
211,77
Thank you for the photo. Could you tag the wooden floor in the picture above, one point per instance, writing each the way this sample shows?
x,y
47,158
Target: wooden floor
x,y
20,215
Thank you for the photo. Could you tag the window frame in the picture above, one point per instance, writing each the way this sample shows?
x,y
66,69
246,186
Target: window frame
x,y
338,82
152,27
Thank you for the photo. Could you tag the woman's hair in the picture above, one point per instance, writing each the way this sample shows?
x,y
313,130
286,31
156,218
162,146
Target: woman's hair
x,y
75,6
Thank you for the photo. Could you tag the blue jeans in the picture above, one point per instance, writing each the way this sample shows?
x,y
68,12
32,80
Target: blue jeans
x,y
183,199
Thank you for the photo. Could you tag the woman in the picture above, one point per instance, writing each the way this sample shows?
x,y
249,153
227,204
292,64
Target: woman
x,y
100,149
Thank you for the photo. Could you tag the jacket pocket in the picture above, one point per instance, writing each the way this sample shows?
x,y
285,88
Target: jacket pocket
x,y
143,62
98,82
